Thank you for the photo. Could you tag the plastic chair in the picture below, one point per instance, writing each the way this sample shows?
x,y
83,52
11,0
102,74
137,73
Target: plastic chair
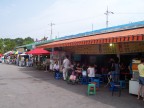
x,y
115,87
91,89
97,82
84,80
101,79
122,83
57,75
97,88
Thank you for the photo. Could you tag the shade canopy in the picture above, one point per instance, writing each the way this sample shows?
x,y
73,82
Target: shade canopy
x,y
38,51
9,53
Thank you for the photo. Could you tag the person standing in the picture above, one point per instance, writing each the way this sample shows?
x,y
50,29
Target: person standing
x,y
112,69
130,69
91,72
27,62
117,70
66,66
47,63
141,78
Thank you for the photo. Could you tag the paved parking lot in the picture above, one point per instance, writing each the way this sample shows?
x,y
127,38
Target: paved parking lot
x,y
26,87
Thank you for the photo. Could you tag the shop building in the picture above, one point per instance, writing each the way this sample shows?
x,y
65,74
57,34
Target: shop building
x,y
124,41
118,40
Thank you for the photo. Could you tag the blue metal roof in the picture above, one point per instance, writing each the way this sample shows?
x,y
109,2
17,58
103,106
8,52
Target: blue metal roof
x,y
106,30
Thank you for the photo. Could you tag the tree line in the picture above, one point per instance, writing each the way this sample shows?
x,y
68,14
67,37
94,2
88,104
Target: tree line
x,y
8,44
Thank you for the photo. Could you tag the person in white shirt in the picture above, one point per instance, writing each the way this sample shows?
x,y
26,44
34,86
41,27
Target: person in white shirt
x,y
66,66
91,71
56,67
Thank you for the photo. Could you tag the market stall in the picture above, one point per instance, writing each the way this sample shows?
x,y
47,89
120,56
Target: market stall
x,y
38,56
58,56
115,41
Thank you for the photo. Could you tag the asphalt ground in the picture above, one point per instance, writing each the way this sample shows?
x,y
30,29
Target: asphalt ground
x,y
26,87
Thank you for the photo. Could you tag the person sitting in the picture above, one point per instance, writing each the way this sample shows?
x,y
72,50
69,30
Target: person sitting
x,y
78,69
84,71
72,77
91,72
56,67
73,65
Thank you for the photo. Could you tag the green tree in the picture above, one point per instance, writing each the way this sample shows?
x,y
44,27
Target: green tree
x,y
1,45
28,40
19,41
8,44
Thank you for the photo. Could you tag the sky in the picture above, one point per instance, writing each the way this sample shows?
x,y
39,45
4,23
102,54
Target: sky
x,y
23,18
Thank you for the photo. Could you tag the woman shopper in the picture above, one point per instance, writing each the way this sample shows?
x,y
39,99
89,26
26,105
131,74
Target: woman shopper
x,y
141,79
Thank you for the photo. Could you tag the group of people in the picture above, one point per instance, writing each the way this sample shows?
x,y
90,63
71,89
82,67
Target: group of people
x,y
91,70
19,60
75,69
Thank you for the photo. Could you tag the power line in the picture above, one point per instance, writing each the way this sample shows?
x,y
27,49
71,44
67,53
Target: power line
x,y
128,13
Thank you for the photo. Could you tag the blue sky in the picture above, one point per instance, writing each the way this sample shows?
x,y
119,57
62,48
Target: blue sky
x,y
22,18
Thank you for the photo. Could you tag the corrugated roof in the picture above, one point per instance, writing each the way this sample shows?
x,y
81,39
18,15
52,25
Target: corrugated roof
x,y
106,30
100,31
124,36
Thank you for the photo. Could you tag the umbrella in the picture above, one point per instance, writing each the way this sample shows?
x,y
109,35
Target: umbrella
x,y
23,54
8,53
38,51
12,52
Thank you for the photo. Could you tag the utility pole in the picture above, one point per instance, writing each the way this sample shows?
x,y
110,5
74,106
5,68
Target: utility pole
x,y
58,35
92,29
107,16
51,25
